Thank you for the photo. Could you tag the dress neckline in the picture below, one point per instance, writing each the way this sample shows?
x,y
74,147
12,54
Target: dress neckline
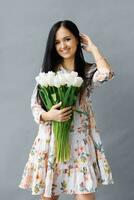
x,y
62,68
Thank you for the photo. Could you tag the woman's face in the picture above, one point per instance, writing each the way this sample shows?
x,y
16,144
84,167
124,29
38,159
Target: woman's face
x,y
65,43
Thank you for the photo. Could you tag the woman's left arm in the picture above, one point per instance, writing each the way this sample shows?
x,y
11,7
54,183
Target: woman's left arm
x,y
104,71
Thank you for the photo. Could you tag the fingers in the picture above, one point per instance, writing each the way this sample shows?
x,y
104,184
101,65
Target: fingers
x,y
64,118
84,40
57,105
63,114
84,35
67,113
66,109
62,110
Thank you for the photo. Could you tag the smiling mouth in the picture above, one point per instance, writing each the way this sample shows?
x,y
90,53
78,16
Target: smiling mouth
x,y
65,51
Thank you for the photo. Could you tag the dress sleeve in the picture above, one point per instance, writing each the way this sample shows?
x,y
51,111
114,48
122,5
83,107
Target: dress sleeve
x,y
99,76
36,108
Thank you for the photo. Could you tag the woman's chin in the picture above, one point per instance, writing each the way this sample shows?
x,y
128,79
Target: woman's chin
x,y
67,56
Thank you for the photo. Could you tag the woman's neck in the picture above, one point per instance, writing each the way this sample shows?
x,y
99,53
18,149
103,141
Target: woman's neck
x,y
68,64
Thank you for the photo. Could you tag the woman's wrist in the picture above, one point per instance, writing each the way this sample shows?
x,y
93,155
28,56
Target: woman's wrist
x,y
93,48
100,60
45,116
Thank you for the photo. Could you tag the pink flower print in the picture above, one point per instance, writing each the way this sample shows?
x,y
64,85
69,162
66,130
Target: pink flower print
x,y
57,169
27,181
79,129
48,129
80,150
70,166
72,128
76,166
85,178
82,186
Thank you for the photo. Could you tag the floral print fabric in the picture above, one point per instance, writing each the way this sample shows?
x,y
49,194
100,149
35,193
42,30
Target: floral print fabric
x,y
88,167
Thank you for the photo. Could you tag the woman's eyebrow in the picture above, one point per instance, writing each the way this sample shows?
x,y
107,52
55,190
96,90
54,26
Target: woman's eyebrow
x,y
64,37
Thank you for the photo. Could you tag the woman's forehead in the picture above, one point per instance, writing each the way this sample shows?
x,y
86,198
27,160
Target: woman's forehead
x,y
63,33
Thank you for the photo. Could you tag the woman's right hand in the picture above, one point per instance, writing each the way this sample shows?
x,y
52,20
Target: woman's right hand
x,y
60,115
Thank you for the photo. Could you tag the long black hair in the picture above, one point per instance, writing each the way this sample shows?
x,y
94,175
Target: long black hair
x,y
52,59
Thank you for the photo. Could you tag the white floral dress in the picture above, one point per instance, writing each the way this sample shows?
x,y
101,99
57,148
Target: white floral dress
x,y
87,168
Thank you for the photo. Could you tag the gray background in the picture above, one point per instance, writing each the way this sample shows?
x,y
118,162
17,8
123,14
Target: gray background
x,y
23,32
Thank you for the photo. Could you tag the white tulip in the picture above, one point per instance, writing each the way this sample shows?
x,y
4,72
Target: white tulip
x,y
74,74
73,79
78,82
41,79
50,78
57,83
67,78
61,78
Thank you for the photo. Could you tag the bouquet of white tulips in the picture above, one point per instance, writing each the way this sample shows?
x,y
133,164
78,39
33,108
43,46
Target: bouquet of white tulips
x,y
55,87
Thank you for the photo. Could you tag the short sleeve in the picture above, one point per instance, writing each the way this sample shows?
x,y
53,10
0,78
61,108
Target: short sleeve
x,y
100,76
36,108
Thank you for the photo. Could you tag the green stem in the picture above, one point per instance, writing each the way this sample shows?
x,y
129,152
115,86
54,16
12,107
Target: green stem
x,y
79,111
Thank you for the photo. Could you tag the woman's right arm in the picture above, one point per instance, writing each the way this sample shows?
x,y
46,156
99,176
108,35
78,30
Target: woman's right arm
x,y
37,110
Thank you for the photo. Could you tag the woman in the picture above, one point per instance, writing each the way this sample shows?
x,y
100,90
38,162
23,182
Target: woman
x,y
88,167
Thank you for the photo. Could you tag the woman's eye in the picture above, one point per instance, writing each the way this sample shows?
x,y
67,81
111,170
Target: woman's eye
x,y
68,39
56,42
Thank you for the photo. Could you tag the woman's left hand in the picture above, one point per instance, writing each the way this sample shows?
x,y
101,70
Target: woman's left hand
x,y
88,45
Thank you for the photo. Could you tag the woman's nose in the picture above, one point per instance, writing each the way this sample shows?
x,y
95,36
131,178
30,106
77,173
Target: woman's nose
x,y
63,45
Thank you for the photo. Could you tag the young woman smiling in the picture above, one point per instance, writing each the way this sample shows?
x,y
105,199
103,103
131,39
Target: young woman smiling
x,y
88,167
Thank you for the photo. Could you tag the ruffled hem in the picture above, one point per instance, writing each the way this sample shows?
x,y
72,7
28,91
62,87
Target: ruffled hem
x,y
78,180
71,192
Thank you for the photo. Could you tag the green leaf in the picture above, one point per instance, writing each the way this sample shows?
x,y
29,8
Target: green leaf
x,y
79,111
